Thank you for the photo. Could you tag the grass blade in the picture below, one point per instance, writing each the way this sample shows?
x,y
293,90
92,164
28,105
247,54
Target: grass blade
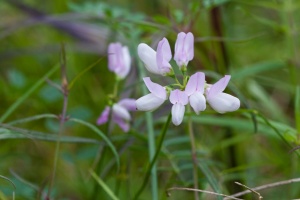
x,y
104,186
102,135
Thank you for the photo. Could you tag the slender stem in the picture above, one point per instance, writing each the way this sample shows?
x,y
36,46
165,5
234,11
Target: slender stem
x,y
148,173
57,147
194,154
63,116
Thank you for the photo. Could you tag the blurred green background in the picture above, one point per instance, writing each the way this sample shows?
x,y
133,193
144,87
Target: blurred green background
x,y
257,42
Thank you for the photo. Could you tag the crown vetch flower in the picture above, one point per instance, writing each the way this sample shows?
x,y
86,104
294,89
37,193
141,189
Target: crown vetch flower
x,y
156,62
153,100
195,90
179,99
120,113
220,101
119,60
184,49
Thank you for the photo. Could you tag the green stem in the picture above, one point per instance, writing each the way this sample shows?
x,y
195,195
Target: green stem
x,y
148,173
194,154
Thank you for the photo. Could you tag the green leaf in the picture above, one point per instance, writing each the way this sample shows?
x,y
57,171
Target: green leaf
x,y
258,68
19,133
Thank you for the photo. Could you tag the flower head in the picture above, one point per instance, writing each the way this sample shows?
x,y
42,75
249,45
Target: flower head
x,y
119,60
220,101
120,113
153,100
156,62
179,99
184,49
195,89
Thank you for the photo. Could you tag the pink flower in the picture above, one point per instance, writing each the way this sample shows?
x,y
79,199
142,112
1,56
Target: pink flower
x,y
153,100
119,60
220,101
120,114
184,49
195,89
156,62
179,99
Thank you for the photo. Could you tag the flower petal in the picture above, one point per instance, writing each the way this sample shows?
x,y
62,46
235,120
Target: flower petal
x,y
177,113
189,46
149,102
195,83
121,112
148,56
178,96
184,49
223,102
114,56
163,56
127,103
104,116
156,89
123,124
218,87
122,73
198,102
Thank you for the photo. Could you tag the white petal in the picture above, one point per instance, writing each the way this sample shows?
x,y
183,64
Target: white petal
x,y
126,63
121,112
177,113
223,102
198,102
149,102
148,56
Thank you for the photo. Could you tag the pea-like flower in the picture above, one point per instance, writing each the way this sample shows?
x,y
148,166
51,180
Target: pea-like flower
x,y
220,101
119,60
184,49
156,62
120,113
179,99
153,100
195,90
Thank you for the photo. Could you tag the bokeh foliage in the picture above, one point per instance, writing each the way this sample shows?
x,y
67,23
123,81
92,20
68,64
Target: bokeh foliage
x,y
255,41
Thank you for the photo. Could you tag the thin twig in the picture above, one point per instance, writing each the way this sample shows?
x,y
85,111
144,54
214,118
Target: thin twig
x,y
197,190
271,185
252,190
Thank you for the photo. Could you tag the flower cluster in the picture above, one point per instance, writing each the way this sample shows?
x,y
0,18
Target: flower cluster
x,y
118,62
194,90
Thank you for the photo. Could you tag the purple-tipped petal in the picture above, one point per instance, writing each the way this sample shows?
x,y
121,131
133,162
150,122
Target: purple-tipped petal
x,y
189,46
104,116
119,59
156,89
127,103
121,112
195,83
223,102
123,124
178,96
177,113
163,56
148,56
218,87
197,102
149,102
184,49
126,63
